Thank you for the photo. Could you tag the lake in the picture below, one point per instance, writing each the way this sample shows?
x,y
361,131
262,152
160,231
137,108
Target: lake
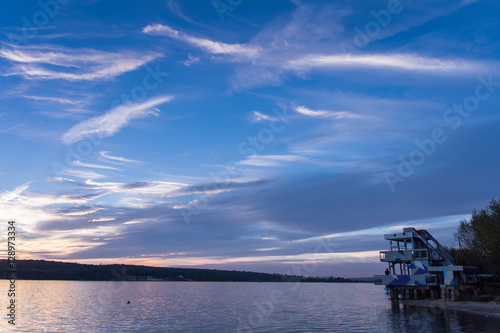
x,y
84,306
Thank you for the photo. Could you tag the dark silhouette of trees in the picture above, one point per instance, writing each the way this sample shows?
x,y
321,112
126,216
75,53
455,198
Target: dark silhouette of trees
x,y
54,270
479,239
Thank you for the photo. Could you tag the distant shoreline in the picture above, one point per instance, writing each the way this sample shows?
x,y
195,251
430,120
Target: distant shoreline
x,y
45,280
63,271
487,309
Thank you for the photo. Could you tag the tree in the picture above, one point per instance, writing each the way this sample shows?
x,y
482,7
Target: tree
x,y
480,236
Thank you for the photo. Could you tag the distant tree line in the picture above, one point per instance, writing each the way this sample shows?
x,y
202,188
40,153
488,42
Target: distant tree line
x,y
54,270
479,240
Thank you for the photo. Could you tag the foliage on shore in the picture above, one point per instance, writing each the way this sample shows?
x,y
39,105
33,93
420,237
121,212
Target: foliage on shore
x,y
54,270
479,240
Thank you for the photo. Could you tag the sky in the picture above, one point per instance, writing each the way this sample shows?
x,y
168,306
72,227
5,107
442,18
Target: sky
x,y
280,136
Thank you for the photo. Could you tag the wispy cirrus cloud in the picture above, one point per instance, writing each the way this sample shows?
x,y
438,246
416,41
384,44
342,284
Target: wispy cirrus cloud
x,y
308,39
258,117
408,62
206,45
114,120
144,188
92,165
12,195
270,160
164,189
324,113
86,174
69,107
59,100
278,63
107,156
48,62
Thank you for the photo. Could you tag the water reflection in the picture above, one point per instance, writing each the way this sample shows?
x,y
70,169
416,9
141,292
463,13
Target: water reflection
x,y
409,318
78,306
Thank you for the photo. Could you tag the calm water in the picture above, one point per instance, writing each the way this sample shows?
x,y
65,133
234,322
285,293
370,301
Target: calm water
x,y
77,306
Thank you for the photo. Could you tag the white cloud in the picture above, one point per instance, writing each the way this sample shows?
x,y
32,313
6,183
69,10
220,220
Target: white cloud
x,y
260,117
82,174
396,61
91,165
31,208
51,62
54,99
114,120
83,212
60,180
12,195
146,188
137,221
307,39
270,160
205,44
325,114
103,219
106,155
433,223
190,60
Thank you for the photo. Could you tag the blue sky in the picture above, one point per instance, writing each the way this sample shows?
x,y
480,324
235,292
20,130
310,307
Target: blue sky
x,y
283,136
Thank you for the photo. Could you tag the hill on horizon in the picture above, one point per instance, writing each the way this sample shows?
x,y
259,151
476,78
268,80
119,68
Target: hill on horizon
x,y
57,270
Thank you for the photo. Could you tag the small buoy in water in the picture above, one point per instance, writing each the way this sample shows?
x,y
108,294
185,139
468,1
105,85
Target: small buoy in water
x,y
128,302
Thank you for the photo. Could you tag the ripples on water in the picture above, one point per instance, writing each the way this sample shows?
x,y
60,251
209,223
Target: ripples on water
x,y
78,306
